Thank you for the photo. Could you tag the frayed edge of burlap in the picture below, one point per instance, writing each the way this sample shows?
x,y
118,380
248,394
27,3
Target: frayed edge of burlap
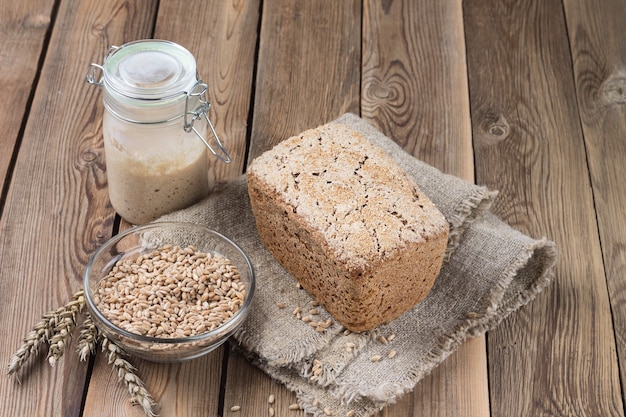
x,y
305,347
475,324
472,208
312,399
545,252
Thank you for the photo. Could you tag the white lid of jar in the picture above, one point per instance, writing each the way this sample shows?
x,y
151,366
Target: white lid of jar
x,y
150,69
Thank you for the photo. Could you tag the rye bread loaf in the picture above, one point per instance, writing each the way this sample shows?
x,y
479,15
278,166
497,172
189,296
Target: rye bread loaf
x,y
348,224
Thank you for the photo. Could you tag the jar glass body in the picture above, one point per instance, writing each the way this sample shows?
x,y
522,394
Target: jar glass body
x,y
154,165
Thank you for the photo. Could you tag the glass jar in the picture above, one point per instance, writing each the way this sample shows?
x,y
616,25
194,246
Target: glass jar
x,y
156,156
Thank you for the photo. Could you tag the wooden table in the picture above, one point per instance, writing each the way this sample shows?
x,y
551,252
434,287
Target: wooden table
x,y
527,97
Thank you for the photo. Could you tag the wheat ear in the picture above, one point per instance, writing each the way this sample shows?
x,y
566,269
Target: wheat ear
x,y
126,373
42,332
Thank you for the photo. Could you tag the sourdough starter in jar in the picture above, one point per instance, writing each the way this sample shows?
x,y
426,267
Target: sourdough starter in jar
x,y
156,157
146,181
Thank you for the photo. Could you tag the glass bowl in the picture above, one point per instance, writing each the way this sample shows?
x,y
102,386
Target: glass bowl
x,y
143,240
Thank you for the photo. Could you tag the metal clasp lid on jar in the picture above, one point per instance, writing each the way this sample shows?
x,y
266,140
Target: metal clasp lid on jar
x,y
155,81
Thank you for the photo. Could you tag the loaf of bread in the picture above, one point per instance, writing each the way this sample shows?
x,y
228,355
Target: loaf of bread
x,y
348,224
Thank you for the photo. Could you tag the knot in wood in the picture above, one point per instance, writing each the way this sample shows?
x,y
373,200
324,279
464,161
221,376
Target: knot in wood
x,y
88,156
380,92
499,129
613,90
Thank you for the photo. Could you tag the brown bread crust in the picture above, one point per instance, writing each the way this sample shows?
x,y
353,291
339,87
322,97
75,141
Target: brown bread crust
x,y
348,224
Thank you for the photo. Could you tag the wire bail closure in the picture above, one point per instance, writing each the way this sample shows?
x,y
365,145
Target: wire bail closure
x,y
200,111
91,76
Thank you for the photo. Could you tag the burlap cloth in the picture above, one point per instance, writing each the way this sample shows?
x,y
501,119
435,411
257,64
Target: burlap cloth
x,y
490,271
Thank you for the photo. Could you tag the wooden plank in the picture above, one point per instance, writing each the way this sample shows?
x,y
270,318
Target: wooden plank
x,y
308,68
415,80
556,356
56,210
597,35
250,389
305,78
23,29
181,389
415,91
193,388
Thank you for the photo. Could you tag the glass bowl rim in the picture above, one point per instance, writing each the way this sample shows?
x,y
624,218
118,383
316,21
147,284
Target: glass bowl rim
x,y
225,328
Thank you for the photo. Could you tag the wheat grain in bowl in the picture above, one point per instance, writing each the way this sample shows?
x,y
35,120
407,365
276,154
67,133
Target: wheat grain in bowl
x,y
169,291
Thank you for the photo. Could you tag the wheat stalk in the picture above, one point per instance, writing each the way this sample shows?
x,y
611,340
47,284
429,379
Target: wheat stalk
x,y
56,327
43,332
126,373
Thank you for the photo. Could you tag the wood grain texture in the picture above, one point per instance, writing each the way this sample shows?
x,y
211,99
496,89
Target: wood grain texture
x,y
249,388
181,389
23,28
56,213
555,356
597,36
415,80
415,91
308,68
